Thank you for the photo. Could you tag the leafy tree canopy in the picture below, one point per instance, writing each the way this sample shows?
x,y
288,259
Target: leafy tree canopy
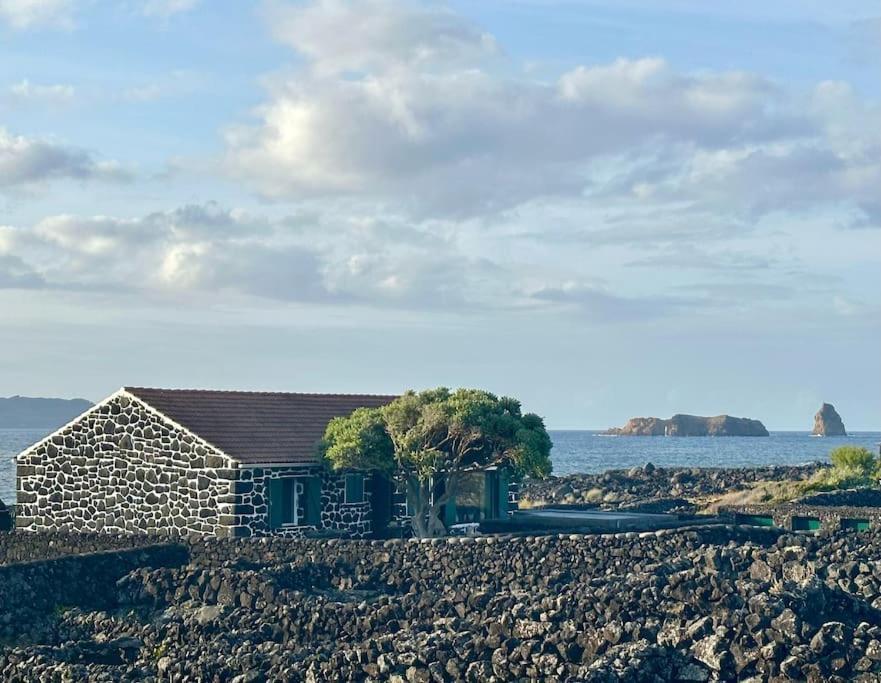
x,y
436,435
358,441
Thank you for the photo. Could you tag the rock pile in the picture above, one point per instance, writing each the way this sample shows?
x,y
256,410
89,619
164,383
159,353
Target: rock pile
x,y
654,489
697,605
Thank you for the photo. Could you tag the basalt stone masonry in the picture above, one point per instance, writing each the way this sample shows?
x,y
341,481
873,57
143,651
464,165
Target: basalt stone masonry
x,y
123,467
251,512
181,462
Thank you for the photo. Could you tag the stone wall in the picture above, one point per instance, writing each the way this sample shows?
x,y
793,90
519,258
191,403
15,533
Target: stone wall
x,y
124,467
830,516
467,557
25,547
251,509
863,497
29,591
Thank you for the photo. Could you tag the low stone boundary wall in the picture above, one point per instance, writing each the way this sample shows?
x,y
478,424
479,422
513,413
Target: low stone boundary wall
x,y
30,590
864,497
24,546
792,516
529,554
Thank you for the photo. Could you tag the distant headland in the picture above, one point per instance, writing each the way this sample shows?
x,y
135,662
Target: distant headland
x,y
690,425
22,412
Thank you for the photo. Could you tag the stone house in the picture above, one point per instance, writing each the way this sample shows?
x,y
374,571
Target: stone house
x,y
224,463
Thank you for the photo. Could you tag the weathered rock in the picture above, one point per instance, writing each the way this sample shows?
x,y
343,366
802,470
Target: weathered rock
x,y
827,422
691,425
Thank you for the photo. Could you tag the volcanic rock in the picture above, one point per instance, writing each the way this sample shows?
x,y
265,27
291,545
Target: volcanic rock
x,y
827,422
691,425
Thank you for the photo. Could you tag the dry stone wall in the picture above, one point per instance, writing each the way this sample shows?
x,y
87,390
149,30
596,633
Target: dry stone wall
x,y
21,547
30,590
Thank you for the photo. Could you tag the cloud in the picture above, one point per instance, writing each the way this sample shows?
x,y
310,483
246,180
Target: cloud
x,y
206,249
16,274
601,306
36,93
27,14
32,14
167,8
177,82
31,161
379,34
411,112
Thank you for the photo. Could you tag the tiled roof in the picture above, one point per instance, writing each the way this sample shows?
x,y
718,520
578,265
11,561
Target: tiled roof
x,y
257,427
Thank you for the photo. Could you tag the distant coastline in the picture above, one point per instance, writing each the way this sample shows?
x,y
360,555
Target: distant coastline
x,y
24,412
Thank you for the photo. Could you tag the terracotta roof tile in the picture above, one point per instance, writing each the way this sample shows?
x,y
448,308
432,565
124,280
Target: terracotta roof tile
x,y
257,427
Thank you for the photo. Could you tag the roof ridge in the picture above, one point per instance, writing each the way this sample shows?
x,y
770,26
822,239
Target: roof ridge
x,y
134,390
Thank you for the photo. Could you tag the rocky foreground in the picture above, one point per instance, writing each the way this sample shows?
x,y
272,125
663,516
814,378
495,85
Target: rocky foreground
x,y
655,488
695,605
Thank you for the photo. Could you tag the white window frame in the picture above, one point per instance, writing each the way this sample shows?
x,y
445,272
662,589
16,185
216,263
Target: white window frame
x,y
298,491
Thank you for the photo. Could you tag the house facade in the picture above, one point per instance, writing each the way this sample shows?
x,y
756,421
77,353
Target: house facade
x,y
223,463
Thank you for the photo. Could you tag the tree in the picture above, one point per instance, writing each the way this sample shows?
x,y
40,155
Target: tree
x,y
437,436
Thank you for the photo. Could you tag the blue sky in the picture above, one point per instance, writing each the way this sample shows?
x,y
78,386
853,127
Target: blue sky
x,y
607,209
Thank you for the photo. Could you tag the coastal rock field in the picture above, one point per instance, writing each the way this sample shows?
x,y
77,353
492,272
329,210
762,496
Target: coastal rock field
x,y
703,604
655,489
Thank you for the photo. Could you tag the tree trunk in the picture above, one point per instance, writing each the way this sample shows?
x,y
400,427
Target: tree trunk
x,y
436,526
417,492
426,520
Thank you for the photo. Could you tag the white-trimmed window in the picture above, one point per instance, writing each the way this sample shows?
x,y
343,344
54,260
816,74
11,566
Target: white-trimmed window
x,y
354,488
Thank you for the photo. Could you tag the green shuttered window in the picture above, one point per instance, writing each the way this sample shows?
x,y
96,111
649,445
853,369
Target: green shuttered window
x,y
354,488
294,501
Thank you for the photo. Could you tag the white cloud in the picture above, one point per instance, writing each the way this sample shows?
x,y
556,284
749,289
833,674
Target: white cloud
x,y
410,113
167,8
37,93
26,14
379,34
32,161
205,248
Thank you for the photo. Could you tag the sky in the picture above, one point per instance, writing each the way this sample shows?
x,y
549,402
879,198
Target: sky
x,y
605,209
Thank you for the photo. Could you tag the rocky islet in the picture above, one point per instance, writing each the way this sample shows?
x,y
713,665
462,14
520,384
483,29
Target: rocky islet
x,y
690,425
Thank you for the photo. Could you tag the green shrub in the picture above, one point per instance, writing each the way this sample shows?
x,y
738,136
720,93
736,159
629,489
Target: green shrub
x,y
854,458
852,467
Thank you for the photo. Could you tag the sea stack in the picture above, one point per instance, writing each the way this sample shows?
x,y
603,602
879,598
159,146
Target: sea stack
x,y
827,422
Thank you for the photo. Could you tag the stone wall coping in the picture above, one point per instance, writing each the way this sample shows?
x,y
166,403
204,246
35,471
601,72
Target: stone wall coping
x,y
93,553
843,510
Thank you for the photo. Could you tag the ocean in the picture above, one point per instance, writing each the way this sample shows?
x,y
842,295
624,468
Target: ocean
x,y
589,451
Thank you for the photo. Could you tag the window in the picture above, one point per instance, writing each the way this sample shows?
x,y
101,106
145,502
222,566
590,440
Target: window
x,y
294,501
354,488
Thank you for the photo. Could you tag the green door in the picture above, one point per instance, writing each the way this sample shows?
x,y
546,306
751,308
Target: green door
x,y
381,493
